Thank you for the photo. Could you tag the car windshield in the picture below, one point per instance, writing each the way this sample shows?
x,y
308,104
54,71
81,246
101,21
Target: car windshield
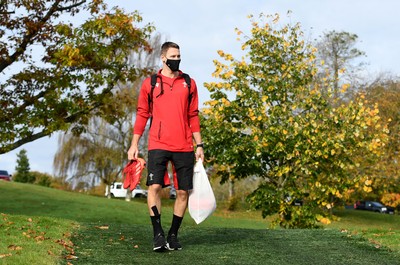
x,y
3,172
377,204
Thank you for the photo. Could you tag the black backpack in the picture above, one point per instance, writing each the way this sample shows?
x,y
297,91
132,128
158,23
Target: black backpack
x,y
153,83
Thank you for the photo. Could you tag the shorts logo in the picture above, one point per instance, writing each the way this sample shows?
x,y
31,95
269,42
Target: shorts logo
x,y
151,176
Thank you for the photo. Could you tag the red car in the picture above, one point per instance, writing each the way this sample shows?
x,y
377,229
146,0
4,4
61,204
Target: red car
x,y
4,175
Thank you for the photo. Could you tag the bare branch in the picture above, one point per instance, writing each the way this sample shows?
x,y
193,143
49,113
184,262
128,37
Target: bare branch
x,y
71,6
5,148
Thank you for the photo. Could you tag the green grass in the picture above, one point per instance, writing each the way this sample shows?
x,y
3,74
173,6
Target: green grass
x,y
379,229
38,223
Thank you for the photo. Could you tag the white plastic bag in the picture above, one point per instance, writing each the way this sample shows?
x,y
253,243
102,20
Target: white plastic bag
x,y
202,201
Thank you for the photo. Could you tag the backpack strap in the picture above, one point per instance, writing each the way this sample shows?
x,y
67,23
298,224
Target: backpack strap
x,y
189,84
153,82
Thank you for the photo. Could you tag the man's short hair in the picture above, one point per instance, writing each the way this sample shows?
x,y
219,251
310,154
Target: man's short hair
x,y
167,45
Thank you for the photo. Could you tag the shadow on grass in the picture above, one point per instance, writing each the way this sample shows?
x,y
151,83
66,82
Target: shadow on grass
x,y
123,244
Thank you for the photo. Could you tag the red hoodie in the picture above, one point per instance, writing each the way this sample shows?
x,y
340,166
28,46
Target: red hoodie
x,y
174,121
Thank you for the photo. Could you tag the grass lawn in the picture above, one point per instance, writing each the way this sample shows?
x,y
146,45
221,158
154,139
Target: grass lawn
x,y
46,226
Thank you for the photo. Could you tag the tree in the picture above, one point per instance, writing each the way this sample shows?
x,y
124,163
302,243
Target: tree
x,y
385,92
337,51
67,72
267,118
23,169
99,154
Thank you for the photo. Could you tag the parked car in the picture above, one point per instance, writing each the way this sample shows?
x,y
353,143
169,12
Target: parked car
x,y
117,191
373,206
4,175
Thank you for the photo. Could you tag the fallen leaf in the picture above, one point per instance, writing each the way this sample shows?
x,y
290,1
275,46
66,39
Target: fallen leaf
x,y
102,227
135,246
69,249
71,257
5,255
40,238
30,220
14,247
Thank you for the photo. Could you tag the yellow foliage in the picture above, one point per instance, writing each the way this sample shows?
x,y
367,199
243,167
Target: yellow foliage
x,y
367,189
212,103
229,74
345,87
325,221
368,182
264,98
207,111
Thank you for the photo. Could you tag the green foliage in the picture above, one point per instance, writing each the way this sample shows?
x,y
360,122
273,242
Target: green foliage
x,y
268,118
22,169
99,153
67,71
42,179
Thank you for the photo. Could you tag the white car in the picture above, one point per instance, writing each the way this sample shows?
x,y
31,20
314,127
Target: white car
x,y
117,191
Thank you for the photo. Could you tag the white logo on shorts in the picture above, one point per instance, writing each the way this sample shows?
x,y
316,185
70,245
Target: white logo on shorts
x,y
151,176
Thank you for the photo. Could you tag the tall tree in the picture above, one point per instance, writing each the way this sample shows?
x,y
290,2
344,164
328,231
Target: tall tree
x,y
385,176
23,168
266,118
65,72
337,53
99,153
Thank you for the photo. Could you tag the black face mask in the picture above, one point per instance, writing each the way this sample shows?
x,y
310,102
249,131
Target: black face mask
x,y
173,64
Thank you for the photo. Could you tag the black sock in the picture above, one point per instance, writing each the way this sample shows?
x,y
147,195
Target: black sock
x,y
176,223
156,222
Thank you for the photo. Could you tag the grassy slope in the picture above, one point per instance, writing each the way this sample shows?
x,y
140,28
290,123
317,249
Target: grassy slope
x,y
117,231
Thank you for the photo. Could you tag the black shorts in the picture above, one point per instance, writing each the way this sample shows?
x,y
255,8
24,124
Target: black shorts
x,y
183,163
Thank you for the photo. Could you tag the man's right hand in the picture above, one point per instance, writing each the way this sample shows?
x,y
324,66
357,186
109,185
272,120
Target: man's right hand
x,y
133,152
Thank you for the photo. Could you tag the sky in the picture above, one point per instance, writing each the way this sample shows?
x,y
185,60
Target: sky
x,y
202,27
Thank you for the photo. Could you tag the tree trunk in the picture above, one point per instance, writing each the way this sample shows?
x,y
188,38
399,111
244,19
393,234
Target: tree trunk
x,y
231,189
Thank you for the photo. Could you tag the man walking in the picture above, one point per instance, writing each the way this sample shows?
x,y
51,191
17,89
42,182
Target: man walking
x,y
171,103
